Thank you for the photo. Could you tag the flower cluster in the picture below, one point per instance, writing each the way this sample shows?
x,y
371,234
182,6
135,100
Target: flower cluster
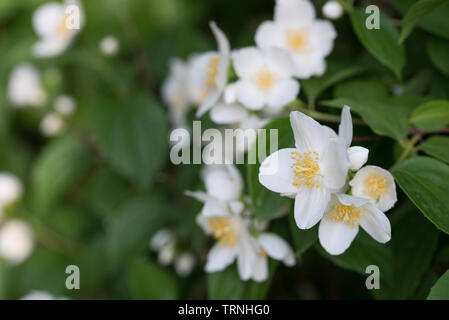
x,y
316,173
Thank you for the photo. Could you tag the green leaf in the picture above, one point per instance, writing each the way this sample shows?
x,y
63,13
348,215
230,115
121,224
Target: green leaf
x,y
302,239
426,181
382,43
416,12
133,135
131,228
57,168
436,146
440,291
227,285
431,116
435,22
268,204
438,51
386,116
147,280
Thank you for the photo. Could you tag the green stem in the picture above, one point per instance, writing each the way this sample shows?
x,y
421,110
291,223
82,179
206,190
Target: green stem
x,y
325,117
409,148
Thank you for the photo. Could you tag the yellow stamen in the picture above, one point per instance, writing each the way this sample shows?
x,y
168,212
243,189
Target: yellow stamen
x,y
223,230
346,214
296,40
306,169
262,253
375,186
264,79
212,71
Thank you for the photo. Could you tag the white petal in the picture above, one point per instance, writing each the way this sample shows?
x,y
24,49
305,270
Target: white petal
x,y
322,34
309,64
222,40
309,134
357,157
249,95
247,256
47,18
376,223
334,164
345,127
215,208
219,258
276,173
336,237
247,61
224,113
209,103
279,62
348,200
230,94
294,11
260,269
310,204
223,182
283,92
276,247
47,48
269,34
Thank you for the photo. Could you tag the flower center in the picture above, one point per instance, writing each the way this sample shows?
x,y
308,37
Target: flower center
x,y
62,29
223,230
296,40
306,169
346,214
212,71
264,79
375,186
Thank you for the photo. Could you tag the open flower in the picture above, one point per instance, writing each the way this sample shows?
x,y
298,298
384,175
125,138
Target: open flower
x,y
25,87
310,172
208,73
232,230
174,92
295,29
16,241
340,224
56,27
375,184
265,78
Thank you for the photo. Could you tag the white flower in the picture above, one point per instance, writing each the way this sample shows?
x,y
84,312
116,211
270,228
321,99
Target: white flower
x,y
51,125
161,239
235,241
310,172
109,45
174,92
265,78
16,240
25,86
208,74
375,184
184,264
295,29
10,189
167,254
340,225
65,105
38,295
332,10
357,155
55,27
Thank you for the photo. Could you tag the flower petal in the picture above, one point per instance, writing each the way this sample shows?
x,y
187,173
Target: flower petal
x,y
334,164
310,204
276,173
276,247
219,258
345,127
223,182
247,256
376,223
357,157
247,61
260,269
294,11
249,95
336,237
283,92
269,34
224,113
309,134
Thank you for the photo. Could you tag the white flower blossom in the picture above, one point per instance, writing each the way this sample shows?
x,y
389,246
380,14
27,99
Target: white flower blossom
x,y
340,224
51,125
52,24
109,45
11,189
332,10
310,172
174,92
265,78
65,105
308,40
25,87
208,73
161,238
375,184
16,240
184,264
